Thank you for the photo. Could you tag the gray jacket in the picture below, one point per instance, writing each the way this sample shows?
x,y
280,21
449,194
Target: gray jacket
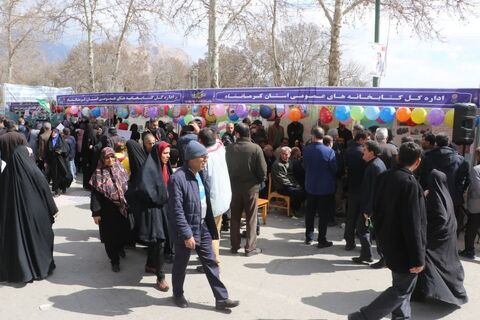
x,y
473,195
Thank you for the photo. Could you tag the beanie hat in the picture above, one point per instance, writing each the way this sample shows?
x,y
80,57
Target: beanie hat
x,y
194,150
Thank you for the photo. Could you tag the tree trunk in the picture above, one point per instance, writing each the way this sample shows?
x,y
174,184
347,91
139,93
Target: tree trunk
x,y
120,43
10,54
91,60
277,75
334,57
212,45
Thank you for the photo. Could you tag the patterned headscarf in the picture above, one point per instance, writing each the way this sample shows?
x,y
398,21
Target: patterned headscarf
x,y
161,147
111,181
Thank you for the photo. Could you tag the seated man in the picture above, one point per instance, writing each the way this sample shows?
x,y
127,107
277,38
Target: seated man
x,y
283,180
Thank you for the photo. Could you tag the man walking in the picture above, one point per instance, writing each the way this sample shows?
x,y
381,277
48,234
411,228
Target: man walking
x,y
193,225
247,169
320,177
400,223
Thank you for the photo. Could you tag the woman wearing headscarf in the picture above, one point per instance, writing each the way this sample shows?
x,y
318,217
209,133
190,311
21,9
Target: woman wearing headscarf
x,y
151,218
443,276
57,154
88,142
109,206
27,211
135,134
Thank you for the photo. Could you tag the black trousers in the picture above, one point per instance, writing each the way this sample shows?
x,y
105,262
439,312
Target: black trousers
x,y
113,249
473,223
353,203
363,233
325,206
156,258
395,300
297,195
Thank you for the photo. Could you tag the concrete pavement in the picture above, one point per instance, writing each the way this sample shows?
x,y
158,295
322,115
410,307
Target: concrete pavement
x,y
288,281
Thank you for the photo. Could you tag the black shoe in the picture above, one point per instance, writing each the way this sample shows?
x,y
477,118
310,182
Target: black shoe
x,y
225,228
467,254
324,244
115,267
200,269
244,234
356,316
350,246
122,253
378,265
308,242
258,231
253,252
233,251
361,260
180,301
226,304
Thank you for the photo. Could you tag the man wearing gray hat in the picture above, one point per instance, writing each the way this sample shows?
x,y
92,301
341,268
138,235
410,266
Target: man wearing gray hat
x,y
193,226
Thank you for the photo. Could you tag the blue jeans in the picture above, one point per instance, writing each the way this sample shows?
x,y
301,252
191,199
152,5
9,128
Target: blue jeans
x,y
73,169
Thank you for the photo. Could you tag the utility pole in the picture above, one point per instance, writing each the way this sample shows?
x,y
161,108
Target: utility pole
x,y
377,33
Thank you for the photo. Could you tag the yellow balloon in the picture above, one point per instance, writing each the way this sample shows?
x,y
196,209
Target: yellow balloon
x,y
419,115
449,116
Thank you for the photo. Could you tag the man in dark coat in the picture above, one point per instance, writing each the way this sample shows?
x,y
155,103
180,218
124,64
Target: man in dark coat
x,y
10,140
448,161
193,226
399,219
247,169
43,144
320,184
374,167
295,133
156,131
355,167
228,137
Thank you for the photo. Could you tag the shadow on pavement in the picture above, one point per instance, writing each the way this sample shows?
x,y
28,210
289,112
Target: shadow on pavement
x,y
303,267
77,235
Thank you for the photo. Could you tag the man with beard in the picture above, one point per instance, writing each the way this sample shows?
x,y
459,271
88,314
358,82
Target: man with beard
x,y
154,129
148,143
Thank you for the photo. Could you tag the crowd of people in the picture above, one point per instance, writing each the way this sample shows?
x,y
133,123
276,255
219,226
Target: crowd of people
x,y
176,192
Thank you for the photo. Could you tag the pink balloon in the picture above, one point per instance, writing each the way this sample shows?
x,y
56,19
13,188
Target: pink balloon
x,y
138,110
219,110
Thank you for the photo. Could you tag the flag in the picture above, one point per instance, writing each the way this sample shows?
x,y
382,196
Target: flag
x,y
45,105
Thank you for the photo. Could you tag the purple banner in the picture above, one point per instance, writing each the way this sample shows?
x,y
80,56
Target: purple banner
x,y
430,98
23,106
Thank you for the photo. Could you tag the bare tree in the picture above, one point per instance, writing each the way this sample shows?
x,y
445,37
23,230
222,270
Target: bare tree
x,y
420,15
21,23
225,16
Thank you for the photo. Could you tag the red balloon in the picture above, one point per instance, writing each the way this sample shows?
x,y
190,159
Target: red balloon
x,y
91,107
326,115
410,123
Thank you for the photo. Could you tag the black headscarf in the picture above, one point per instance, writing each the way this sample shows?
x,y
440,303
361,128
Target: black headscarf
x,y
26,216
136,158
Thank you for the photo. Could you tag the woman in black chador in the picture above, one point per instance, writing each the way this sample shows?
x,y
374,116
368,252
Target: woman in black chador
x,y
443,276
151,216
109,206
57,153
27,212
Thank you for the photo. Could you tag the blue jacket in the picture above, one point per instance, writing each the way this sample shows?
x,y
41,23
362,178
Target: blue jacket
x,y
185,208
320,169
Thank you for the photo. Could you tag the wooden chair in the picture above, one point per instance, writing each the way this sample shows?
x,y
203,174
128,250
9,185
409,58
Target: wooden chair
x,y
263,205
276,195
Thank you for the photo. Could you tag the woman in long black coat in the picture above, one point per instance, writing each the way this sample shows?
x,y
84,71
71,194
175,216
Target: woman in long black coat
x,y
443,276
109,206
57,154
27,212
151,217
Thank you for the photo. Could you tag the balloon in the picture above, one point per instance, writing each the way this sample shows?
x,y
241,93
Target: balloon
x,y
122,112
183,110
74,110
449,117
174,112
372,113
347,122
357,113
133,112
403,114
203,110
281,110
91,107
295,114
380,121
188,118
233,117
95,112
241,110
222,118
202,120
419,115
342,113
231,111
104,112
436,117
209,116
68,111
266,112
138,110
255,111
86,112
325,115
196,110
181,121
410,123
387,114
304,110
152,112
163,111
176,120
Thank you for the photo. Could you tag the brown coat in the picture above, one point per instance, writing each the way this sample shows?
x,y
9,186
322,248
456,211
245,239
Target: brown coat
x,y
43,143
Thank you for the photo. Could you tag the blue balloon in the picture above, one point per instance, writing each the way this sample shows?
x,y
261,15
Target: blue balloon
x,y
95,112
387,114
233,117
342,113
265,112
372,113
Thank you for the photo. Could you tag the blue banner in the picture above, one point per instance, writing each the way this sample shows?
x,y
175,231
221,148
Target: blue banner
x,y
430,98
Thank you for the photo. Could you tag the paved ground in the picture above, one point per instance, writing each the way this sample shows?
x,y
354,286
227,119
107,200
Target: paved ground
x,y
288,281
